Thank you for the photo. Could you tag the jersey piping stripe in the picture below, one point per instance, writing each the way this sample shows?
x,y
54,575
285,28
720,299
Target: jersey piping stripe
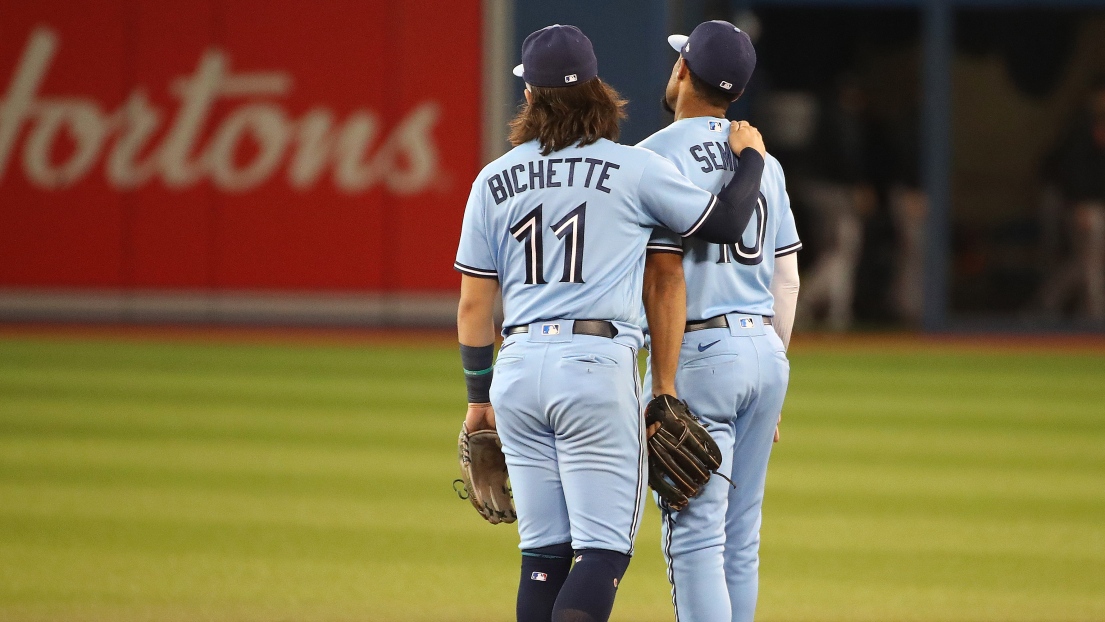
x,y
654,247
477,272
788,249
701,219
642,460
669,521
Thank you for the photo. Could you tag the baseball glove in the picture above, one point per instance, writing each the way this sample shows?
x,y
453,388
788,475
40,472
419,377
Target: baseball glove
x,y
483,473
681,453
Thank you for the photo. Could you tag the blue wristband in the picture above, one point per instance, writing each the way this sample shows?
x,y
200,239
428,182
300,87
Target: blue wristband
x,y
478,363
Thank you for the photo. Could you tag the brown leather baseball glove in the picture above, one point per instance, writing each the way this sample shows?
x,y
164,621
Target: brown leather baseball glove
x,y
484,475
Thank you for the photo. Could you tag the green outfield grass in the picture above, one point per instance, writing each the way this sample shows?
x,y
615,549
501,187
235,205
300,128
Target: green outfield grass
x,y
187,481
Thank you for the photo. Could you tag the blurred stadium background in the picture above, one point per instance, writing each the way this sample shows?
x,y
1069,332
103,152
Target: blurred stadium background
x,y
229,391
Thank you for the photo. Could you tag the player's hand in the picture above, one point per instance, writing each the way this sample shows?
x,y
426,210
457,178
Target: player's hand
x,y
657,391
480,417
743,135
776,439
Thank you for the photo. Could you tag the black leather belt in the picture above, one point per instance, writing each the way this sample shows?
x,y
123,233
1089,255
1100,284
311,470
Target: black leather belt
x,y
718,321
596,328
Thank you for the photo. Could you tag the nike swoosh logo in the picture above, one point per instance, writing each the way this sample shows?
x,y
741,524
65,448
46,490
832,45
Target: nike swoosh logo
x,y
703,348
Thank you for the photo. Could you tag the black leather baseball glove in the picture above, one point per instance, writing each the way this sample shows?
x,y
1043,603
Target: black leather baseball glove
x,y
681,453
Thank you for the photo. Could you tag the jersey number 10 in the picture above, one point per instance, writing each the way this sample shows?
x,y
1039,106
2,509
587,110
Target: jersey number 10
x,y
570,229
744,255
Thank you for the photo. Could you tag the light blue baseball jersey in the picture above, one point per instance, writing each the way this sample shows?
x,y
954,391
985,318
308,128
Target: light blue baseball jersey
x,y
565,234
725,278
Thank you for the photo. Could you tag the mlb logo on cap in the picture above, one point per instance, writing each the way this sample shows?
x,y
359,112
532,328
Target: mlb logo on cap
x,y
539,576
747,322
550,329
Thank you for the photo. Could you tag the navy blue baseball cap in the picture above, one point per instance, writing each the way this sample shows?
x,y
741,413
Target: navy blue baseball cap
x,y
557,56
719,53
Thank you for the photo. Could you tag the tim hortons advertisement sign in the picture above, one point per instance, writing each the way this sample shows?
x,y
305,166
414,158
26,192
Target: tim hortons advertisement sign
x,y
246,145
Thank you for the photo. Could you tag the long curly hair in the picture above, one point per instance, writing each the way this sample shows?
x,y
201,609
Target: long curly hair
x,y
563,116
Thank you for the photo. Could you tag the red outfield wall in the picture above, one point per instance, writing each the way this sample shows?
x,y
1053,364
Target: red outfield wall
x,y
286,145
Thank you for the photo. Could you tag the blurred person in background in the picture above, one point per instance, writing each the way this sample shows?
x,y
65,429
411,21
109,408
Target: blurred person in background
x,y
908,207
1076,172
840,189
907,204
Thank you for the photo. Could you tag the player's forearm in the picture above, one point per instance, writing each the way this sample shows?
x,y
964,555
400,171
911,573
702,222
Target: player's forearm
x,y
735,203
784,288
476,333
665,298
476,311
475,326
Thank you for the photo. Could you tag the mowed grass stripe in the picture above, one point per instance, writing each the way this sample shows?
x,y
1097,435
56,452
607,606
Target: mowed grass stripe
x,y
190,481
939,487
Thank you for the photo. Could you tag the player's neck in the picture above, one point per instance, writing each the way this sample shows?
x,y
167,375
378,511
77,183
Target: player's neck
x,y
689,108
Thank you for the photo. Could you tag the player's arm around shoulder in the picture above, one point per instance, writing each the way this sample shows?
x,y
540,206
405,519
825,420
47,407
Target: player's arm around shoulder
x,y
743,135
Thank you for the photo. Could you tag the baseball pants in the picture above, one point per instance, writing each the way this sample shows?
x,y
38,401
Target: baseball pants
x,y
735,380
568,413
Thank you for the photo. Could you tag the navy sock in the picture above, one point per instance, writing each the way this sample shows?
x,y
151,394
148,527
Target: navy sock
x,y
543,572
588,594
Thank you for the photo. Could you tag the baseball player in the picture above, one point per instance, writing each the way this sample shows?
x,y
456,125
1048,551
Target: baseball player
x,y
732,369
561,223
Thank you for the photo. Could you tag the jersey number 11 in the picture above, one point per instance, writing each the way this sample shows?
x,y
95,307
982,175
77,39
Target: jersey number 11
x,y
570,229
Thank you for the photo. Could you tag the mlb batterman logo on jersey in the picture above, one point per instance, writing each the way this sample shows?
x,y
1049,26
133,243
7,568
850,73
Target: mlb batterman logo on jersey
x,y
717,126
